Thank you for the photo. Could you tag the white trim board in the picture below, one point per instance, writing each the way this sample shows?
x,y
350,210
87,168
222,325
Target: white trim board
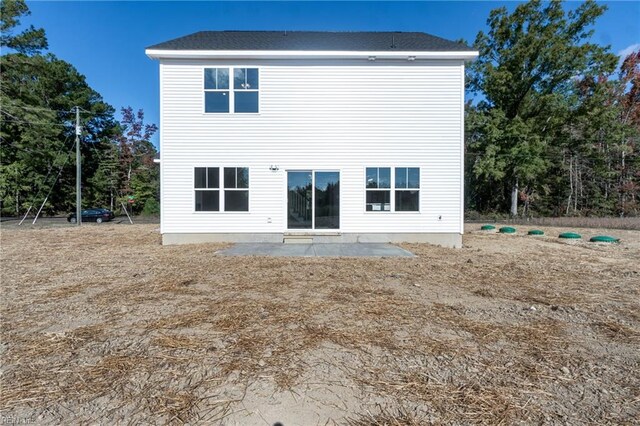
x,y
312,54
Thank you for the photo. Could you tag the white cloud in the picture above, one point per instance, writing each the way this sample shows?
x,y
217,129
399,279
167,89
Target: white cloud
x,y
626,51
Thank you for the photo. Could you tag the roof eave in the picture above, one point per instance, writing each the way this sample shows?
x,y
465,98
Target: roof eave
x,y
306,54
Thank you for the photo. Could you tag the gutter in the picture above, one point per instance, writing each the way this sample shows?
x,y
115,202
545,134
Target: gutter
x,y
306,54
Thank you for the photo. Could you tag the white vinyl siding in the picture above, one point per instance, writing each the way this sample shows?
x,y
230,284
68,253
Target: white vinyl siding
x,y
343,115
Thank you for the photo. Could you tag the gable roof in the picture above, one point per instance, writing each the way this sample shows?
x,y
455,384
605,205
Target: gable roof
x,y
312,41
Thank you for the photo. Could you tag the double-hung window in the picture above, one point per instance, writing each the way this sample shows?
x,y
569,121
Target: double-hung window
x,y
216,90
240,97
378,189
207,187
245,89
407,189
405,196
233,196
236,189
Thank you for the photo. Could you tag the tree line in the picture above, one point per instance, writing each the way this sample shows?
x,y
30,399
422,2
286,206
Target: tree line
x,y
554,128
38,96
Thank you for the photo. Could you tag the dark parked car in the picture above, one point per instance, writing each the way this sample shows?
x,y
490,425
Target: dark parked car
x,y
93,215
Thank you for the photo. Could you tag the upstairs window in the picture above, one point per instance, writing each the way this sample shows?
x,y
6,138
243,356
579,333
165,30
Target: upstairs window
x,y
245,89
378,189
241,97
407,189
216,90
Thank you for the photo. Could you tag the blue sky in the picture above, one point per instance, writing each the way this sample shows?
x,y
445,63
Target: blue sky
x,y
105,41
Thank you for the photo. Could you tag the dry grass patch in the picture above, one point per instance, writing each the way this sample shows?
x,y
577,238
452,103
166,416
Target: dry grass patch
x,y
152,334
617,331
396,416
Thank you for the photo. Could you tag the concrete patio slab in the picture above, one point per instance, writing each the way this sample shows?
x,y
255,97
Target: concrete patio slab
x,y
311,250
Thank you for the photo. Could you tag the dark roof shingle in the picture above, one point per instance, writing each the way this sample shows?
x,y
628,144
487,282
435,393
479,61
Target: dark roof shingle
x,y
313,40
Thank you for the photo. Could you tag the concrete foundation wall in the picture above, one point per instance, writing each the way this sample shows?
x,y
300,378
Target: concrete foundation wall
x,y
452,240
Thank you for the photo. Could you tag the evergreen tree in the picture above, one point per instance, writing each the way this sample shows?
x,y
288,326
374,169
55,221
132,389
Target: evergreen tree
x,y
526,69
38,93
29,41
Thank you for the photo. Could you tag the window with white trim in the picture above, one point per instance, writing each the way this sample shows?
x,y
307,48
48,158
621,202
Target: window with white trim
x,y
207,187
240,97
245,90
236,189
378,184
216,90
397,192
407,189
231,196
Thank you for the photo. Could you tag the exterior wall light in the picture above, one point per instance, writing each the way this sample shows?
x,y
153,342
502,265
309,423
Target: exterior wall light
x,y
372,58
411,58
274,168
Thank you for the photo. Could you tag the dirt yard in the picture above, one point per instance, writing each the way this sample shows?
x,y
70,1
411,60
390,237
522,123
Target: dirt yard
x,y
103,325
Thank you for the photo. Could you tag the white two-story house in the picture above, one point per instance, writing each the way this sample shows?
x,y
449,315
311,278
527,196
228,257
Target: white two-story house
x,y
270,136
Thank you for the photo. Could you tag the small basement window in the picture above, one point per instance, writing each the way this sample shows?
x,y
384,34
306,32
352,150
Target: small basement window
x,y
378,188
207,189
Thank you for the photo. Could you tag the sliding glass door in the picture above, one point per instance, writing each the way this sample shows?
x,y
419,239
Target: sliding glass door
x,y
327,200
313,199
300,196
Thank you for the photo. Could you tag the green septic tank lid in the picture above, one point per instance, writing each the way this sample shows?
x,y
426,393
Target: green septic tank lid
x,y
570,235
604,239
487,227
536,232
507,230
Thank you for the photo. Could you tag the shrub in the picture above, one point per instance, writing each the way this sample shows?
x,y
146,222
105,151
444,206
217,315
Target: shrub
x,y
151,207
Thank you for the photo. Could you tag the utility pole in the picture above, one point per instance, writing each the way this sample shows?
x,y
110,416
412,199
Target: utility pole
x,y
78,171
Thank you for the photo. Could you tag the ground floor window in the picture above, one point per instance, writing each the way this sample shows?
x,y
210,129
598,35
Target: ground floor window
x,y
235,189
405,182
407,189
207,186
378,186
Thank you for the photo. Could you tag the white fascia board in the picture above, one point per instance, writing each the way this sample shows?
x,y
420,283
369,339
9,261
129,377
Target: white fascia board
x,y
303,54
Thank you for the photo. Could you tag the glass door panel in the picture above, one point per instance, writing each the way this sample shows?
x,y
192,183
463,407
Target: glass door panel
x,y
327,200
299,204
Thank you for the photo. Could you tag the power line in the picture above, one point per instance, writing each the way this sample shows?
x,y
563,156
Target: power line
x,y
44,123
95,114
21,120
52,185
9,117
51,167
61,167
44,109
